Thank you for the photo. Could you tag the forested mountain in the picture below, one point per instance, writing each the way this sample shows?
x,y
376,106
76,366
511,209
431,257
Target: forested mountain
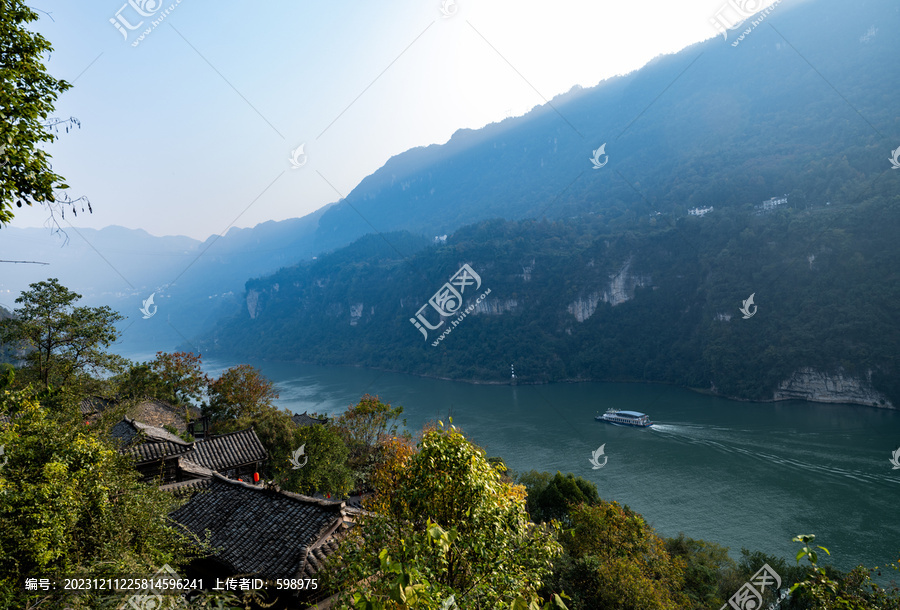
x,y
613,278
798,109
574,299
795,108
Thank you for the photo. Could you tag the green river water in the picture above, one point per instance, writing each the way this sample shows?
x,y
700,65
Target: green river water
x,y
740,474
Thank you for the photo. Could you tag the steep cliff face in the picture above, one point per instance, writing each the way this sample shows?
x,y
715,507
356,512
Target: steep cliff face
x,y
810,384
495,307
620,289
252,303
584,307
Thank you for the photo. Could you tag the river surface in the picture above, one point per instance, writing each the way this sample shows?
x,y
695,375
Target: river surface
x,y
741,474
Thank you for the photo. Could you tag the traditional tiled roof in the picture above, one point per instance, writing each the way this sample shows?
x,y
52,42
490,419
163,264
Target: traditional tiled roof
x,y
147,443
316,557
94,404
265,532
302,419
191,468
228,450
187,488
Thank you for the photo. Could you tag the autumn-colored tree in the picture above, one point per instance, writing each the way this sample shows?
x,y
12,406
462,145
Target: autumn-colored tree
x,y
240,392
182,373
615,560
387,474
364,427
492,556
369,421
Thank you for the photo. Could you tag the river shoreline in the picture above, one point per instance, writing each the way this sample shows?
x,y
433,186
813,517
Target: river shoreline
x,y
702,391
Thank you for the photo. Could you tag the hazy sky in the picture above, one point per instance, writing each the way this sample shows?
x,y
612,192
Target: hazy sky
x,y
191,131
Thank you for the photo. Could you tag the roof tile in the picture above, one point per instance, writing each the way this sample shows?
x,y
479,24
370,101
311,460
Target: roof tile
x,y
262,531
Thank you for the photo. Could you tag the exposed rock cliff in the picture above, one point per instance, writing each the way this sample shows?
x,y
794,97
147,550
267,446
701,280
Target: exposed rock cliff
x,y
810,384
252,303
620,289
495,307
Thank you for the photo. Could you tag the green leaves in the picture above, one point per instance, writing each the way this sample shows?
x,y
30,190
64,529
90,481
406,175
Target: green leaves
x,y
71,504
182,373
64,344
27,97
452,523
240,392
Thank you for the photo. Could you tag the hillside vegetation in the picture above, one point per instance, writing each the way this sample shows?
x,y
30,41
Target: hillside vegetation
x,y
826,283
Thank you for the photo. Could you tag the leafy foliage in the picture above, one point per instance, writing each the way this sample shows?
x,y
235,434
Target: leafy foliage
x,y
615,560
63,344
709,573
554,498
73,505
141,381
490,555
325,463
240,392
27,97
826,281
182,373
854,591
365,427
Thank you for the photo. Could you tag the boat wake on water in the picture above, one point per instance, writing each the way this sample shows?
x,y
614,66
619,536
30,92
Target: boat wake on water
x,y
726,440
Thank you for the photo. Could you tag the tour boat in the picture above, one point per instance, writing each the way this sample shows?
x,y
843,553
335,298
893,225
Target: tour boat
x,y
625,418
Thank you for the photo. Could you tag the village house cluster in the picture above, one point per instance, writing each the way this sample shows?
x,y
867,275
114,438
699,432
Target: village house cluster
x,y
258,530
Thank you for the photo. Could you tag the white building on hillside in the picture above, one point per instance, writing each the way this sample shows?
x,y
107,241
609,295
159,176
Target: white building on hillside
x,y
774,202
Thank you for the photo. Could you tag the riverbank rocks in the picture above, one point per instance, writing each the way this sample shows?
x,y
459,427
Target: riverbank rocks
x,y
809,384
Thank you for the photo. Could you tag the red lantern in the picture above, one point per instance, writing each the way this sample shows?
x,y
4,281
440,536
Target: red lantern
x,y
241,480
256,477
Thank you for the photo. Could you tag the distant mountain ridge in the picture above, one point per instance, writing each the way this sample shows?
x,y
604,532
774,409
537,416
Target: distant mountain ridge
x,y
622,282
791,110
193,282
